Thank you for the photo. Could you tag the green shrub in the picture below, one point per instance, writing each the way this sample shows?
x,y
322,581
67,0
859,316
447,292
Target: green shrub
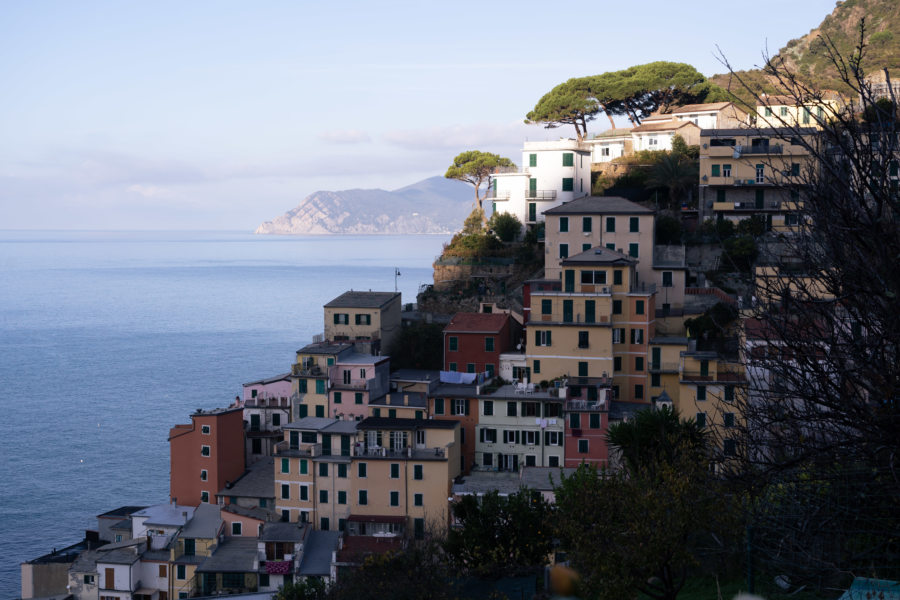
x,y
506,226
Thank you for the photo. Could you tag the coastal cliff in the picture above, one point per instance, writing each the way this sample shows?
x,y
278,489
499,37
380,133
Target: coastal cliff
x,y
434,205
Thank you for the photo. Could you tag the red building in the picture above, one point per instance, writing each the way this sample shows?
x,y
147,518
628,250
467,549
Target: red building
x,y
473,342
588,401
206,454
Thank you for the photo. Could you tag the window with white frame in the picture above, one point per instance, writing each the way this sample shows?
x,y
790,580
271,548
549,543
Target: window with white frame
x,y
553,438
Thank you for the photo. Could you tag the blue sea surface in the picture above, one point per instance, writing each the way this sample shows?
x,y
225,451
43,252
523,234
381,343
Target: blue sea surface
x,y
107,339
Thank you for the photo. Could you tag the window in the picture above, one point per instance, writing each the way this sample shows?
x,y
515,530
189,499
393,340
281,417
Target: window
x,y
304,467
729,393
511,409
701,392
205,429
358,398
575,420
439,404
639,307
301,386
459,406
563,224
532,160
604,151
553,438
653,142
610,224
590,311
583,339
593,277
729,448
346,376
582,446
488,344
617,363
236,528
470,367
542,338
488,436
654,380
667,279
308,437
637,336
276,420
595,421
726,171
89,579
617,277
617,307
568,184
618,335
418,473
568,310
320,386
633,224
564,251
180,572
795,169
203,475
701,419
568,159
363,319
342,497
510,436
304,493
715,171
395,498
633,250
586,224
285,491
728,420
323,496
488,407
537,367
784,111
453,343
285,467
337,397
204,450
546,307
768,112
419,528
320,411
585,247
805,116
582,368
363,497
638,363
639,392
395,471
418,499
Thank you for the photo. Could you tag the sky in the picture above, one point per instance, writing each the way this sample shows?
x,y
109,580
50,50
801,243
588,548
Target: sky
x,y
221,115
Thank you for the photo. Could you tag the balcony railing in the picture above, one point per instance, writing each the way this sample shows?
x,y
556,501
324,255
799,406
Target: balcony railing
x,y
540,195
408,452
579,405
284,449
306,370
267,403
664,367
759,149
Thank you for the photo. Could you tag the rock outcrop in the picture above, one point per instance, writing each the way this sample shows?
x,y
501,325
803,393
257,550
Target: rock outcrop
x,y
434,205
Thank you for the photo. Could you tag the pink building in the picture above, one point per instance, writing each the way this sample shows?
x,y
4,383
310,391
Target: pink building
x,y
355,379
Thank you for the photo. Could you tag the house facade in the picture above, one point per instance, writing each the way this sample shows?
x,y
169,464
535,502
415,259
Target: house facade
x,y
368,319
473,342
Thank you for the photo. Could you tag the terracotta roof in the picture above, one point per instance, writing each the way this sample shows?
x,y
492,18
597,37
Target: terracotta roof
x,y
476,323
662,126
598,255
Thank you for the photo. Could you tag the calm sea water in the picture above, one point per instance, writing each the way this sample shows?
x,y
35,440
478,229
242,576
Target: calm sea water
x,y
107,339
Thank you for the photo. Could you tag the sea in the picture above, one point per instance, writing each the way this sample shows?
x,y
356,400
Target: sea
x,y
109,338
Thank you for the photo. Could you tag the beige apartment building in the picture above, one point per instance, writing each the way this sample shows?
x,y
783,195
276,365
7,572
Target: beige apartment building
x,y
368,319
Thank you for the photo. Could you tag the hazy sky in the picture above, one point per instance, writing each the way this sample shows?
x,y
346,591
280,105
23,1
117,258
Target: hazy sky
x,y
220,115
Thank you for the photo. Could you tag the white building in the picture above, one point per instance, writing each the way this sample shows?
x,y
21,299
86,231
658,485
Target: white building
x,y
610,144
552,173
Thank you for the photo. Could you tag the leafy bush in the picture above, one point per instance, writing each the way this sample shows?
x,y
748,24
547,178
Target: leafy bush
x,y
668,230
740,252
721,229
755,226
506,226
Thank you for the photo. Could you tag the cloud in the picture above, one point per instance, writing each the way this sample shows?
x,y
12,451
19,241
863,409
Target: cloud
x,y
346,136
150,191
459,137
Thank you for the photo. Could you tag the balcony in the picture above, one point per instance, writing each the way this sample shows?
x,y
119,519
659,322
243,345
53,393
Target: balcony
x,y
284,450
547,195
584,405
408,452
663,367
562,317
267,403
307,370
758,149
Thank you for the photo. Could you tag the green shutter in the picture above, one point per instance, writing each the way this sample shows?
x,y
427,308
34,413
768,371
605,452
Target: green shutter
x,y
568,159
590,311
532,160
568,184
610,224
715,171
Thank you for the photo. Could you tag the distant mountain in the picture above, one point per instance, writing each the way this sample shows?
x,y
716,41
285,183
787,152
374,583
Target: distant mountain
x,y
806,55
433,205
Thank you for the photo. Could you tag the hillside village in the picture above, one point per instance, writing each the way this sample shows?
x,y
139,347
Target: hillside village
x,y
338,456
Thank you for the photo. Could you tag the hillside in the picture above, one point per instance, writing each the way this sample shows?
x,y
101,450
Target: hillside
x,y
433,205
806,55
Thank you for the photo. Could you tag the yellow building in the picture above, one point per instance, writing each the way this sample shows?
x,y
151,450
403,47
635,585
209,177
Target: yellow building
x,y
310,378
709,388
665,365
778,110
368,319
597,323
393,474
747,172
196,542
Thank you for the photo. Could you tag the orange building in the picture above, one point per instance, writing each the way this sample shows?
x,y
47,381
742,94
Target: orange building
x,y
205,455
